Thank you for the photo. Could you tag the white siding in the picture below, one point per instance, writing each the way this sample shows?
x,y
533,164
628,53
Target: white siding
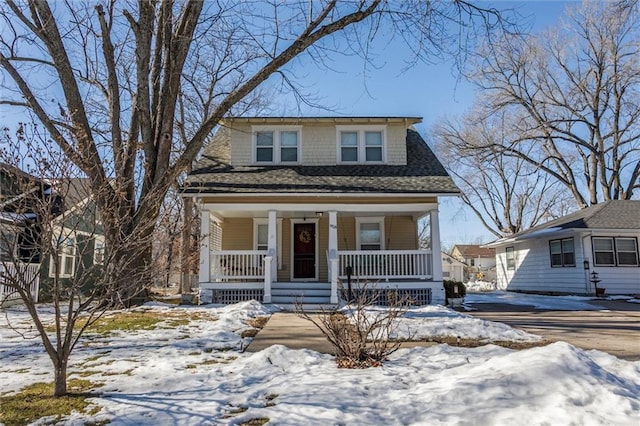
x,y
533,271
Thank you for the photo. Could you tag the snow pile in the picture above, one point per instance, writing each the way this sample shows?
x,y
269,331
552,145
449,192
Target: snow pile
x,y
480,286
425,322
196,374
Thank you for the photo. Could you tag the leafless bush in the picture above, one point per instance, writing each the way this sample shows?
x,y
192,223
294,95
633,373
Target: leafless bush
x,y
361,335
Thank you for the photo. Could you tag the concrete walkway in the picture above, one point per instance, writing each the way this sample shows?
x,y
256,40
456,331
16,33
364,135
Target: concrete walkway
x,y
288,329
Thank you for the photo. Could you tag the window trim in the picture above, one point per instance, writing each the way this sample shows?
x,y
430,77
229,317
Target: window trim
x,y
562,253
277,143
98,239
511,266
265,221
615,252
364,219
62,237
361,130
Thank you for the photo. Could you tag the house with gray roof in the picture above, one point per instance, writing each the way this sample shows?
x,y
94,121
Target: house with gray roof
x,y
295,208
560,256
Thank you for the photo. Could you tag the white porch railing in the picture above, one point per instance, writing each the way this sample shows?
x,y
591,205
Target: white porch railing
x,y
230,265
28,272
386,264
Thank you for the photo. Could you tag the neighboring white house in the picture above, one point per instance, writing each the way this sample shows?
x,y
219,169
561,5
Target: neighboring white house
x,y
559,256
295,206
452,268
480,261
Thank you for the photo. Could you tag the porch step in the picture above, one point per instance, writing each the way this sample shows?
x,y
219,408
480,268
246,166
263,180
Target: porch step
x,y
307,293
301,285
325,307
305,300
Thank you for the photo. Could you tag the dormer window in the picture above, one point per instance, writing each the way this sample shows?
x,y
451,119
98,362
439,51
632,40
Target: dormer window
x,y
361,144
275,145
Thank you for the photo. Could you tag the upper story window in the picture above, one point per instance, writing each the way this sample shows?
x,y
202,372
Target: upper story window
x,y
562,252
275,145
361,144
615,251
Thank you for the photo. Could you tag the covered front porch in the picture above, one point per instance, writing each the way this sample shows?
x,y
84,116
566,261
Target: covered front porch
x,y
309,253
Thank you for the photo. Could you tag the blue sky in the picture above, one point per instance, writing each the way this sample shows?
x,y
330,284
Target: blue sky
x,y
428,91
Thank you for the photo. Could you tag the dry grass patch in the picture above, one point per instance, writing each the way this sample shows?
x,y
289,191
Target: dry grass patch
x,y
37,401
476,343
258,421
257,324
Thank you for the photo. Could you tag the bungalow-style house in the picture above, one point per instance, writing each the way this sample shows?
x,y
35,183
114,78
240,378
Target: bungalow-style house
x,y
32,209
560,256
294,209
480,261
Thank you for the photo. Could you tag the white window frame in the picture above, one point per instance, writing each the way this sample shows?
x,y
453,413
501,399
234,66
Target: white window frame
x,y
277,146
378,220
614,251
265,221
98,240
562,253
361,130
63,237
511,250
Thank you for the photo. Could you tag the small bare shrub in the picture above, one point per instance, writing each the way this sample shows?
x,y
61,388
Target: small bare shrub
x,y
360,334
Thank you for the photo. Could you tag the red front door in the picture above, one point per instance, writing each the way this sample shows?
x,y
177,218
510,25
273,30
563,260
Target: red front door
x,y
304,250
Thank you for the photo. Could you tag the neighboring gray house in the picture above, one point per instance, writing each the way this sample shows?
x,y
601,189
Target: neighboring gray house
x,y
559,256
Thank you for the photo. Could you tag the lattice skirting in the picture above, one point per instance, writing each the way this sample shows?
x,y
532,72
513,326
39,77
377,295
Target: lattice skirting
x,y
385,297
228,297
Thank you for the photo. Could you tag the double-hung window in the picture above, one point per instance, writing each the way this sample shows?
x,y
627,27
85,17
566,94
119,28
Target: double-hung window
x,y
261,236
65,250
562,252
370,233
275,145
361,144
510,258
615,251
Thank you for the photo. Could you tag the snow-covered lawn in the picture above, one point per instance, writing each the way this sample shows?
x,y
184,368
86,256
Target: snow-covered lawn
x,y
558,303
197,374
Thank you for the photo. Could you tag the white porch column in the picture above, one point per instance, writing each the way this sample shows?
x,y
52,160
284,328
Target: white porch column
x,y
333,254
272,244
268,262
436,257
205,254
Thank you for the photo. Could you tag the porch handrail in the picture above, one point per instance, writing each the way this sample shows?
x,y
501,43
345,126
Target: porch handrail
x,y
386,264
29,275
237,264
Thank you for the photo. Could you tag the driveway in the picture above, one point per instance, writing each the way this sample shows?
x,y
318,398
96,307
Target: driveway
x,y
614,329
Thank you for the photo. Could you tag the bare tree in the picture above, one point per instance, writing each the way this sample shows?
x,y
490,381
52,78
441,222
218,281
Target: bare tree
x,y
111,75
507,193
53,249
572,93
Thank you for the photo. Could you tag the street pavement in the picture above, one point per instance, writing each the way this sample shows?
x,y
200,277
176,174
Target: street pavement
x,y
615,329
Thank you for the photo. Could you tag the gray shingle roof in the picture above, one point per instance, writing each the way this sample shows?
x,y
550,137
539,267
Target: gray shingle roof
x,y
423,174
614,214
